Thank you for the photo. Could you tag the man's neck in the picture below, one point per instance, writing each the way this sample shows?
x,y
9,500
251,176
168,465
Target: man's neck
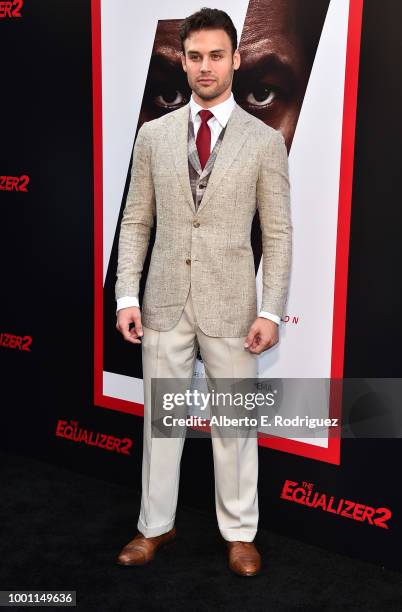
x,y
214,102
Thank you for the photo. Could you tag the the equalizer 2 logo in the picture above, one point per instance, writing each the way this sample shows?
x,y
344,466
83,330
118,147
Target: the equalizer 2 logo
x,y
21,343
71,430
14,183
304,494
11,9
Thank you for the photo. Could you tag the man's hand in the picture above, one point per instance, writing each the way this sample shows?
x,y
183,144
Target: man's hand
x,y
125,316
262,335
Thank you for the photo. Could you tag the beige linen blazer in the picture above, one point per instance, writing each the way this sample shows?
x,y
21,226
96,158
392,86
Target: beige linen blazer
x,y
208,249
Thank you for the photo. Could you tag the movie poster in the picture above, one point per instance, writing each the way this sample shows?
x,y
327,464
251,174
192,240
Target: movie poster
x,y
298,73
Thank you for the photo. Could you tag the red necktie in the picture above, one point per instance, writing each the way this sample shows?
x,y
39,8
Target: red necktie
x,y
203,140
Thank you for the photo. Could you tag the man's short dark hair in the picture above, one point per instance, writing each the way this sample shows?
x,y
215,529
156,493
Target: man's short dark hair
x,y
208,19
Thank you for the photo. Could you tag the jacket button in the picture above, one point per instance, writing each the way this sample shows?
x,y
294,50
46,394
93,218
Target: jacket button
x,y
188,261
196,224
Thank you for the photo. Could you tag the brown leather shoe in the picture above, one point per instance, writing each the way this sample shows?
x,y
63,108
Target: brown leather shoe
x,y
141,550
244,558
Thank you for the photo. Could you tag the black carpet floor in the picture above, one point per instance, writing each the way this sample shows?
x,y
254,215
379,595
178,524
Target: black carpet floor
x,y
62,530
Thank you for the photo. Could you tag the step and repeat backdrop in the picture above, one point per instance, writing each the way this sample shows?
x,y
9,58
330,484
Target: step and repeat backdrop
x,y
79,79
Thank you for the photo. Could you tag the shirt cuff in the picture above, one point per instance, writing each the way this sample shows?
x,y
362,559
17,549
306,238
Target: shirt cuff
x,y
269,315
127,302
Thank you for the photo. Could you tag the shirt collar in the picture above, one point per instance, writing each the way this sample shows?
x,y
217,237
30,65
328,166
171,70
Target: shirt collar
x,y
220,111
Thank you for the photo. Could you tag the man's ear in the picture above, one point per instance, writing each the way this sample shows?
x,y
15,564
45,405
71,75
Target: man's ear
x,y
183,62
236,59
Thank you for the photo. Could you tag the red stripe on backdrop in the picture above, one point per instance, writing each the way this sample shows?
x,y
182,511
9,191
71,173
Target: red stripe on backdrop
x,y
98,198
345,186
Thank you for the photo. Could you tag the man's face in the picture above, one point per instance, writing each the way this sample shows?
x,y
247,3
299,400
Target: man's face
x,y
209,62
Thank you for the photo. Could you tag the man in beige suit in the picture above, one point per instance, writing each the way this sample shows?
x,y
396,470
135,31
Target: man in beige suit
x,y
202,171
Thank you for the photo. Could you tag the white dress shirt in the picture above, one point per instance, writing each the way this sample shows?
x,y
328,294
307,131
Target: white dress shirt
x,y
221,113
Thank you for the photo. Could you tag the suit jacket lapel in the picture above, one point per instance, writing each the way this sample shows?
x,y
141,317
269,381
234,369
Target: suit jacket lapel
x,y
235,135
192,150
178,141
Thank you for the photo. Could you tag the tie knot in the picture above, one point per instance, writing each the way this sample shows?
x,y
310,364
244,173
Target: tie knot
x,y
205,115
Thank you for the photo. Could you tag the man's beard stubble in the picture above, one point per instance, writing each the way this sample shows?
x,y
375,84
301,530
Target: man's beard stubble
x,y
216,93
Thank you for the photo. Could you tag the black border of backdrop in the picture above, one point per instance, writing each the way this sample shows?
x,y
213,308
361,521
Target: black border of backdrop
x,y
46,254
